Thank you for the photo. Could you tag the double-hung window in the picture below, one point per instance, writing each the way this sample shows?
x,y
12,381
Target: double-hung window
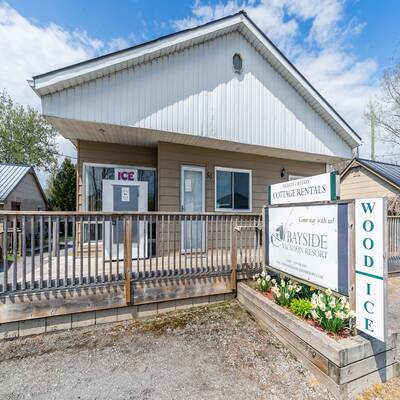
x,y
232,189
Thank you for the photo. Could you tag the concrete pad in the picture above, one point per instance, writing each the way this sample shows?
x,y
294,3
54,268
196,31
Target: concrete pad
x,y
32,327
230,296
106,316
127,313
9,330
165,307
83,319
58,323
216,298
183,304
201,301
147,310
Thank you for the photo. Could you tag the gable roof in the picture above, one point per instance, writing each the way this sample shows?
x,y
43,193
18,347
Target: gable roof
x,y
386,171
11,175
91,69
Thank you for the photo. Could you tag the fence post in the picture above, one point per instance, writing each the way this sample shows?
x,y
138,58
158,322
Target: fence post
x,y
128,258
235,234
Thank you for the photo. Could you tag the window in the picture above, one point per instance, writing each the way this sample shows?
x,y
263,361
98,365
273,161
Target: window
x,y
93,186
237,63
232,189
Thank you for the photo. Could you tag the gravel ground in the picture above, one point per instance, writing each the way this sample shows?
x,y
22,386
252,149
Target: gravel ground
x,y
213,352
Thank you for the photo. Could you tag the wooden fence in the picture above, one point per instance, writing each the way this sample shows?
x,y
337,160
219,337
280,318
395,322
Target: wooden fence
x,y
394,243
50,251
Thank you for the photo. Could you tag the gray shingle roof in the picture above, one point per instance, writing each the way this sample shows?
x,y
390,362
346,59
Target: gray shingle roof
x,y
391,172
10,176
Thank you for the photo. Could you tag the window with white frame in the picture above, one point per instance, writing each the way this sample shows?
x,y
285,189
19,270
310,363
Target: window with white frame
x,y
232,189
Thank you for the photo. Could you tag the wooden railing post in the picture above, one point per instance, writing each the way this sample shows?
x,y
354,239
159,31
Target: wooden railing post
x,y
235,234
128,258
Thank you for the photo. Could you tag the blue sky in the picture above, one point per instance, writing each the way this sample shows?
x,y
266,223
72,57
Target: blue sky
x,y
342,46
138,21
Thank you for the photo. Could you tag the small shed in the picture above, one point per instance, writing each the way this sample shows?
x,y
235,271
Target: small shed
x,y
364,178
20,189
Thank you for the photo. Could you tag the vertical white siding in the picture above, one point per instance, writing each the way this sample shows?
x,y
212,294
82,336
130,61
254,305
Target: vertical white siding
x,y
196,92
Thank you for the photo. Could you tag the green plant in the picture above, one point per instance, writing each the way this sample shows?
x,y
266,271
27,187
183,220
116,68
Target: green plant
x,y
285,292
301,307
263,281
331,312
307,291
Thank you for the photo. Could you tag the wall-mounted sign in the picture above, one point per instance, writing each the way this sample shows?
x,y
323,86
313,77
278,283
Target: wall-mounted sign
x,y
124,174
371,267
125,194
310,243
322,187
188,185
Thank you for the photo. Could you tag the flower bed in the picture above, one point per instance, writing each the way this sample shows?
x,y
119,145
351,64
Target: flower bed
x,y
321,309
345,365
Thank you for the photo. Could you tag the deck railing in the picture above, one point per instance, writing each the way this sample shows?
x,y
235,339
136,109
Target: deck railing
x,y
48,250
394,243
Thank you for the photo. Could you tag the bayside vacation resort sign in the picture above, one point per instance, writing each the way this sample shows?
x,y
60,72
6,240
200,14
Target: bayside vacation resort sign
x,y
311,242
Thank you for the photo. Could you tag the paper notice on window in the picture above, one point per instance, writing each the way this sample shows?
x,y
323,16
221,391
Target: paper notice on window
x,y
125,194
188,185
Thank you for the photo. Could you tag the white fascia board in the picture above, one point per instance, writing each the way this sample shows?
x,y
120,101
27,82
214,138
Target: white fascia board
x,y
112,61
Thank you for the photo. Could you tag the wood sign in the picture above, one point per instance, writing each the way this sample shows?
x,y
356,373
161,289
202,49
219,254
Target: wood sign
x,y
323,187
371,267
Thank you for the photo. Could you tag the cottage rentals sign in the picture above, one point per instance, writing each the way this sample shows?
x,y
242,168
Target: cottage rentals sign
x,y
311,189
310,243
371,267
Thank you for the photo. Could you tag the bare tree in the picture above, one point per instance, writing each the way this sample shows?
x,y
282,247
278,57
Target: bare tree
x,y
384,112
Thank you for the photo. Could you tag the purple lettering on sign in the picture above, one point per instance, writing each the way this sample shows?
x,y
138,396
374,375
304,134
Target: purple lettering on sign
x,y
126,174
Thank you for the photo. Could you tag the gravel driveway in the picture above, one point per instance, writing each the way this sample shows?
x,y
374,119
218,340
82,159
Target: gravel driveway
x,y
213,352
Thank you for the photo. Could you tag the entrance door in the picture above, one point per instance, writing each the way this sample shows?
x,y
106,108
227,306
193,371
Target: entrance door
x,y
193,200
124,196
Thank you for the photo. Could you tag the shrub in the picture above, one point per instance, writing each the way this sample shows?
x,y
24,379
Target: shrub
x,y
307,291
263,281
331,312
285,292
301,307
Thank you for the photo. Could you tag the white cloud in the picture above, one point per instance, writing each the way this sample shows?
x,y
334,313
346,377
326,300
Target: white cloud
x,y
28,49
316,36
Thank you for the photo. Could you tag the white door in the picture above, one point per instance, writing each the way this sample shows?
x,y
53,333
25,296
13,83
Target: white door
x,y
193,200
124,196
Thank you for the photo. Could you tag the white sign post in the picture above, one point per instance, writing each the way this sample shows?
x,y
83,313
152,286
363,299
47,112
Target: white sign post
x,y
371,267
315,188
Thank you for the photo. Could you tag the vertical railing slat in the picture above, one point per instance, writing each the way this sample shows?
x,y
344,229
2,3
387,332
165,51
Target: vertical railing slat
x,y
50,250
65,250
32,284
23,238
103,259
41,227
5,253
15,255
73,277
81,221
57,244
